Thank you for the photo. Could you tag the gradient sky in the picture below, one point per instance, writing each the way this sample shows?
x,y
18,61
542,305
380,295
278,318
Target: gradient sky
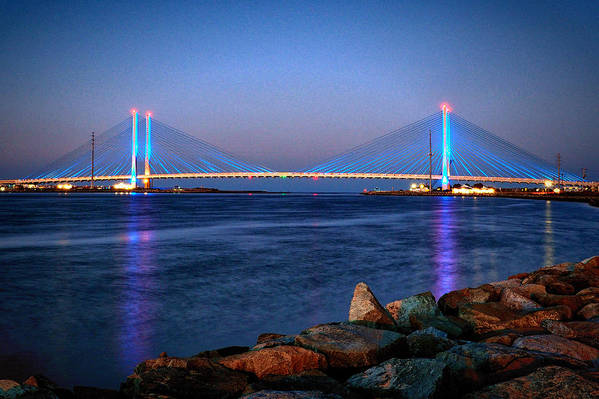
x,y
287,84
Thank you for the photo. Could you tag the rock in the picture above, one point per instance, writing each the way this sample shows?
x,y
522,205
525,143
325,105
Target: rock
x,y
291,395
485,317
589,311
559,287
94,393
589,295
503,339
477,364
551,382
451,325
10,389
555,344
529,290
366,309
450,302
543,276
428,342
313,380
519,276
6,385
262,338
283,340
574,302
163,354
349,345
509,283
402,378
280,360
419,306
222,352
583,331
513,300
184,378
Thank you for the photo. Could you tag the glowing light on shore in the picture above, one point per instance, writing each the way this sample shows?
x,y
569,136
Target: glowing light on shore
x,y
65,186
123,186
470,191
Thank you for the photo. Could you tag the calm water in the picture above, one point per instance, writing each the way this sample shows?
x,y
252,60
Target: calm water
x,y
92,284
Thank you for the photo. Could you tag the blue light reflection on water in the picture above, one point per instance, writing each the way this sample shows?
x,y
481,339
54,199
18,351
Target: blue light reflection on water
x,y
93,284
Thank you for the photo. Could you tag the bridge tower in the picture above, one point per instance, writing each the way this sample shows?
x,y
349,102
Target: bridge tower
x,y
134,149
147,182
445,184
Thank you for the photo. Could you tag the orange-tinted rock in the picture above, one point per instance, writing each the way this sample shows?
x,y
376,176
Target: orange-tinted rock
x,y
486,317
574,302
274,394
555,344
350,345
519,276
589,295
513,300
528,290
221,352
551,382
477,364
583,331
450,302
280,360
509,283
268,337
366,309
418,306
589,311
5,385
313,380
560,288
184,378
503,339
543,276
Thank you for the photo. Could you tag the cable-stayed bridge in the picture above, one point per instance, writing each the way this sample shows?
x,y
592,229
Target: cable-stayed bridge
x,y
442,146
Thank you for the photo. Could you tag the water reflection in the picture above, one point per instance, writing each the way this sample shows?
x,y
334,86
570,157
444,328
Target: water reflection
x,y
445,262
136,304
548,236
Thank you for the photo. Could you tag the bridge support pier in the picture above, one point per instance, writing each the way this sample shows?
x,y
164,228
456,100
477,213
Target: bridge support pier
x,y
445,184
134,149
148,182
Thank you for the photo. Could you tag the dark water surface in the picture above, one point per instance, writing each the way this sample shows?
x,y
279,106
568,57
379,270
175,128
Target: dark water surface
x,y
92,284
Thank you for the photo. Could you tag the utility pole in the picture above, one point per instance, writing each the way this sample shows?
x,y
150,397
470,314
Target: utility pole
x,y
93,154
559,161
430,162
584,173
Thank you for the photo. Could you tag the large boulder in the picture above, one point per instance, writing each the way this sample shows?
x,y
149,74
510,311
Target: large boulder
x,y
477,364
280,360
281,340
589,311
516,301
574,302
555,344
313,380
589,295
366,309
583,331
419,306
428,342
450,302
349,346
528,290
221,352
452,325
551,382
184,378
402,378
269,394
485,317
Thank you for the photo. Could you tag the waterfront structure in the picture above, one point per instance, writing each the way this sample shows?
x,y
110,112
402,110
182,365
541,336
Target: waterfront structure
x,y
458,150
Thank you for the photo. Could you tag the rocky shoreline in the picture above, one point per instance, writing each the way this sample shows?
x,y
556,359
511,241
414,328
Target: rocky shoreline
x,y
534,335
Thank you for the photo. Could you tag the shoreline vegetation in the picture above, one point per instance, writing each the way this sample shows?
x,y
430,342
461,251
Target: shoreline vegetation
x,y
534,335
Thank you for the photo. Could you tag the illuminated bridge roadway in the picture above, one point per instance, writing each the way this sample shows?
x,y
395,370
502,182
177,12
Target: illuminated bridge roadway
x,y
442,146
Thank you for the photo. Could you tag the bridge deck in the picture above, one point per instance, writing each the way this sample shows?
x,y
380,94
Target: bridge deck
x,y
311,175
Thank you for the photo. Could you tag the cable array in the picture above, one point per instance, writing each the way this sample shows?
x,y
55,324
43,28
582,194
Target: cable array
x,y
473,152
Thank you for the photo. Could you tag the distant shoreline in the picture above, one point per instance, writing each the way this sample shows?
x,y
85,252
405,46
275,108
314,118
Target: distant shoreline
x,y
590,198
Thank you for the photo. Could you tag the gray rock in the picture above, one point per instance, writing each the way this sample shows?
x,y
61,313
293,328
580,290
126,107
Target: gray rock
x,y
402,378
428,342
349,346
419,306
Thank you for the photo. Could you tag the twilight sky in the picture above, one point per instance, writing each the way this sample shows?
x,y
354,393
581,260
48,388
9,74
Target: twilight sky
x,y
286,84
